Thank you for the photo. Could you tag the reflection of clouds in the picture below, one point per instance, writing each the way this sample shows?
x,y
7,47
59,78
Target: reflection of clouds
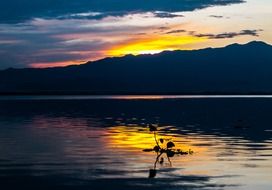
x,y
83,144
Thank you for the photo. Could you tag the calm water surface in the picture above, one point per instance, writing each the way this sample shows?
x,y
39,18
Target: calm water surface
x,y
78,142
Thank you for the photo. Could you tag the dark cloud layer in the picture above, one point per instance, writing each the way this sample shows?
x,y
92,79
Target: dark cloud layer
x,y
16,11
228,34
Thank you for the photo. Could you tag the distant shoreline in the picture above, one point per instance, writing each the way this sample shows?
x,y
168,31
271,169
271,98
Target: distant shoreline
x,y
87,93
127,97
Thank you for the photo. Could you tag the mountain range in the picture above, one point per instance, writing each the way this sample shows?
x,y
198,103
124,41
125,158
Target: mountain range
x,y
234,69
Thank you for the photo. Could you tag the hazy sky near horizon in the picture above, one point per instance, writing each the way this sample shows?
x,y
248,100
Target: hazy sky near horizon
x,y
46,33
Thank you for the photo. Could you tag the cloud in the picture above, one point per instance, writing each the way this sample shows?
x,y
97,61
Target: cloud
x,y
216,16
58,31
161,14
175,31
163,28
87,15
16,11
54,41
42,41
228,34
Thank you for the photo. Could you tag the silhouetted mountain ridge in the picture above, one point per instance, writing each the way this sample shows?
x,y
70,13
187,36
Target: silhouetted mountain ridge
x,y
234,69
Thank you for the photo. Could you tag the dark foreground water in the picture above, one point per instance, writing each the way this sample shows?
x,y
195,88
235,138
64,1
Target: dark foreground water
x,y
96,143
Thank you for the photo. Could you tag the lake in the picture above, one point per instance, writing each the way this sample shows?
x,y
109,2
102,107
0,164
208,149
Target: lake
x,y
97,142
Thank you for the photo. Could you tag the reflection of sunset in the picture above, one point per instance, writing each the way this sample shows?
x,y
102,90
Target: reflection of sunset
x,y
130,137
153,45
140,97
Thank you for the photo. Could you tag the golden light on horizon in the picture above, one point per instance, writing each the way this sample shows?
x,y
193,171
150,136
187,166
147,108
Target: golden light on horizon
x,y
154,45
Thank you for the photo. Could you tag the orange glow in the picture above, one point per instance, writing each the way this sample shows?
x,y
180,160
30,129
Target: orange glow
x,y
56,64
154,45
144,45
139,97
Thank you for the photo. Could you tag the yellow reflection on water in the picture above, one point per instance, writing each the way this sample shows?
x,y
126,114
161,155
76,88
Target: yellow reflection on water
x,y
137,137
129,137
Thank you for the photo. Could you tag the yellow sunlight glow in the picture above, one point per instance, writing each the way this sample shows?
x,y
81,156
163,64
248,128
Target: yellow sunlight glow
x,y
130,138
153,45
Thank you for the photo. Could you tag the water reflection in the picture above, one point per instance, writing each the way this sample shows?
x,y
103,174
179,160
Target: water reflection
x,y
140,138
97,143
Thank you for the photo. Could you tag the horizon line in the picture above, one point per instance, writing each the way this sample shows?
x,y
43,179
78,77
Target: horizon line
x,y
148,54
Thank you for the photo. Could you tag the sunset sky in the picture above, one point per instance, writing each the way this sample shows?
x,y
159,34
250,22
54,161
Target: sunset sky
x,y
39,33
